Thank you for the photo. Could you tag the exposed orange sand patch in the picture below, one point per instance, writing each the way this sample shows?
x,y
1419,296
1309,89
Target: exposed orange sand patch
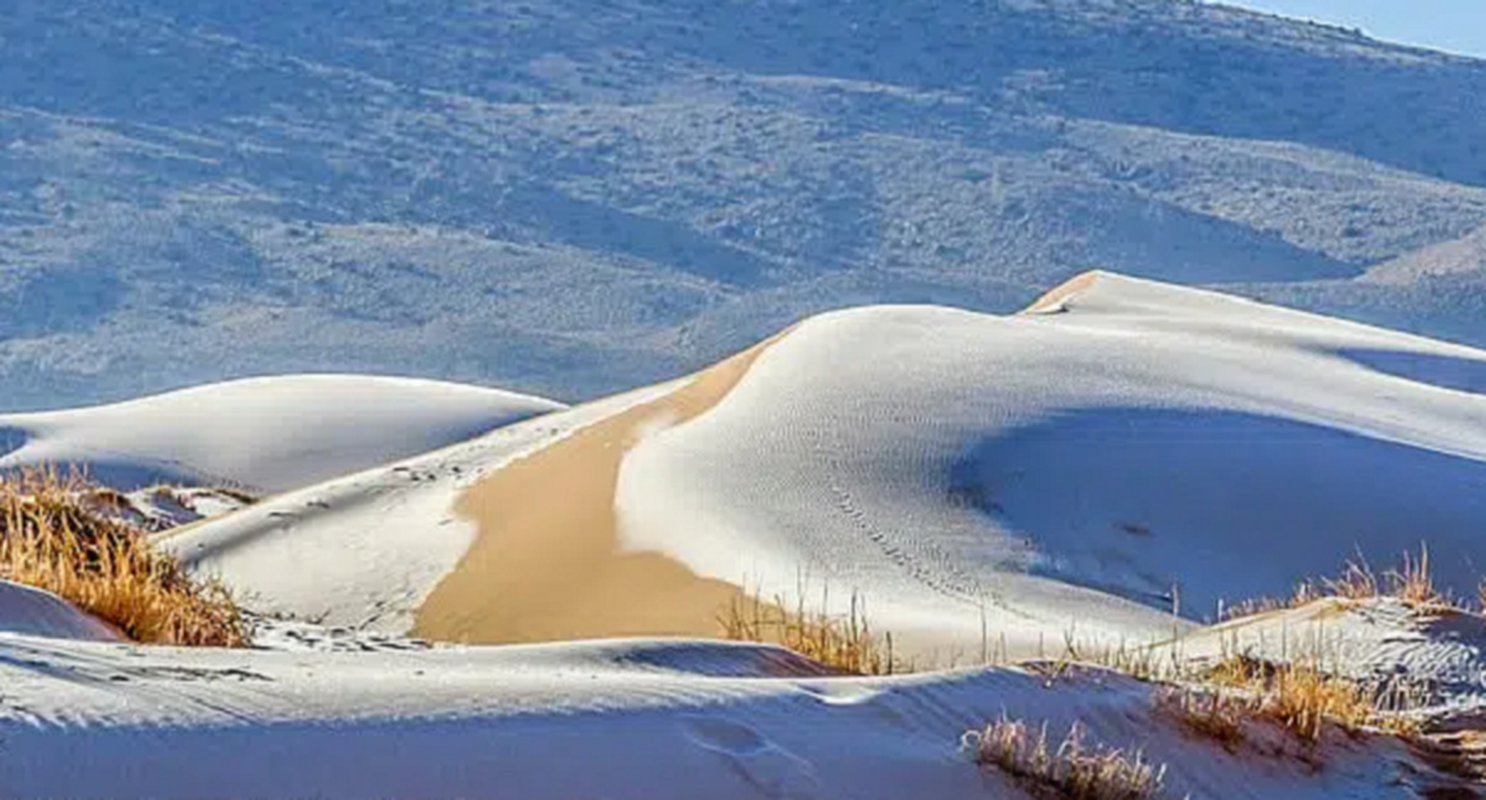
x,y
1065,291
546,564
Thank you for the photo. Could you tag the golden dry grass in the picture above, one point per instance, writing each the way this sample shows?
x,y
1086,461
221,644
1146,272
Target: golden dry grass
x,y
52,540
1303,698
1074,770
1211,713
1411,582
845,643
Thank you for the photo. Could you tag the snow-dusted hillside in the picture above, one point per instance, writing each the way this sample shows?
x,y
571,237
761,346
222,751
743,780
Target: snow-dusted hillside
x,y
571,197
1120,451
265,434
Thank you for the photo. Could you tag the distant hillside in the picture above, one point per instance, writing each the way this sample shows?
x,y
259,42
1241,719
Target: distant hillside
x,y
572,196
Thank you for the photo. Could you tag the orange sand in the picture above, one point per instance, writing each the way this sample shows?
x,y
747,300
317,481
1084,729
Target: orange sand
x,y
1062,293
546,564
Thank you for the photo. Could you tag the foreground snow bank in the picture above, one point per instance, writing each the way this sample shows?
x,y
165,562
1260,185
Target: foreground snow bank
x,y
630,719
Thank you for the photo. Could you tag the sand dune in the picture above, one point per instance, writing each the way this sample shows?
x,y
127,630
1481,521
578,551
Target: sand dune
x,y
1152,449
269,434
1123,452
367,548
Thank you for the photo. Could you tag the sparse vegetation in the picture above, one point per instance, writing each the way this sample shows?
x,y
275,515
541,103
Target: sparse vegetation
x,y
1410,582
842,642
237,493
1075,770
1219,702
53,539
1212,713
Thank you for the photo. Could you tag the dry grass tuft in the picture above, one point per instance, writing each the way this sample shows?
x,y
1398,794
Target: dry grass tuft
x,y
1073,771
1410,582
237,493
1211,713
1413,583
51,539
1304,698
843,642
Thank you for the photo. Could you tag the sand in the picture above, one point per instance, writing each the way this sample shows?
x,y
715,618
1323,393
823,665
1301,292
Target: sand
x,y
1055,299
547,564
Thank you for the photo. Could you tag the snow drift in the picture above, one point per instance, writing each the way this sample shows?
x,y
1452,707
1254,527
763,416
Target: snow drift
x,y
24,610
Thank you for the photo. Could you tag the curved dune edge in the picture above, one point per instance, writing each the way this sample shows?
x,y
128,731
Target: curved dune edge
x,y
546,564
1056,299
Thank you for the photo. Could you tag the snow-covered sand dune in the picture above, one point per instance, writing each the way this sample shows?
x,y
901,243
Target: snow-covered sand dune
x,y
634,719
1121,450
365,549
269,434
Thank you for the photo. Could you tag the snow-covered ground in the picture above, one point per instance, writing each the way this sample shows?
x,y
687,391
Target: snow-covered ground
x,y
268,434
32,612
1439,653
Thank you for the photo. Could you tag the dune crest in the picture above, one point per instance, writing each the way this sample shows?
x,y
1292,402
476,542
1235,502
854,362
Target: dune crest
x,y
1056,300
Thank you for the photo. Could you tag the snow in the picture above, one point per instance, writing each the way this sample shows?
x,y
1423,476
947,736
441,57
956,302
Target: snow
x,y
32,612
160,508
1122,453
632,719
268,434
1103,467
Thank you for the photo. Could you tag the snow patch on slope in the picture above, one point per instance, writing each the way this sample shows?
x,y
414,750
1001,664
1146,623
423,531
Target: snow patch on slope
x,y
1439,653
